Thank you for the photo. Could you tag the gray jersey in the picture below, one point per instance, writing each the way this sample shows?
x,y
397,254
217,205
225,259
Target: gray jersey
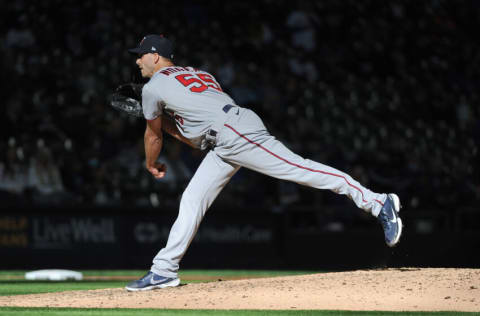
x,y
191,96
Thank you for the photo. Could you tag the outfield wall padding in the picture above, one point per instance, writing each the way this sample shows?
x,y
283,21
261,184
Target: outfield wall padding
x,y
239,239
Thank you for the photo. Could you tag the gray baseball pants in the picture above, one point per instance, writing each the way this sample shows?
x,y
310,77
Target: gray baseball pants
x,y
243,141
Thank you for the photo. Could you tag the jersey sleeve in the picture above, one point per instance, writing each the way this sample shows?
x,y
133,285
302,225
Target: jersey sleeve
x,y
151,103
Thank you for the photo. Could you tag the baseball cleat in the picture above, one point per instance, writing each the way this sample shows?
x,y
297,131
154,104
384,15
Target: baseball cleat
x,y
391,222
152,281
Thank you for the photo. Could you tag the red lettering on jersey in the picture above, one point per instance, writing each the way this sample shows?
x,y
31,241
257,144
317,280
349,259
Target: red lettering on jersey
x,y
196,84
199,82
208,79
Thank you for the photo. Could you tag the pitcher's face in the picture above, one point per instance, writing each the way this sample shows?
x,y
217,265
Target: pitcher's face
x,y
147,63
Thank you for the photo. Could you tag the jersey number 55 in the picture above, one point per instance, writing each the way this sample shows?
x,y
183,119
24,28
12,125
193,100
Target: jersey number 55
x,y
198,82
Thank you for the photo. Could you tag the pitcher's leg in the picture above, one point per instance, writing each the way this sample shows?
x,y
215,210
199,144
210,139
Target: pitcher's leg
x,y
263,153
210,178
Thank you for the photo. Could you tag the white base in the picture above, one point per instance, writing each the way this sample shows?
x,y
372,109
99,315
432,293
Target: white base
x,y
54,275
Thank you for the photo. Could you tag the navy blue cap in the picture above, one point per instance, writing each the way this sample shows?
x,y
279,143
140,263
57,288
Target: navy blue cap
x,y
154,44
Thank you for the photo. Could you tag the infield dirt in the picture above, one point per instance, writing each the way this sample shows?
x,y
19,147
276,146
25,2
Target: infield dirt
x,y
408,289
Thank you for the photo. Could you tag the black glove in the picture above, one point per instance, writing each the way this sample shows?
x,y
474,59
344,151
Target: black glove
x,y
128,98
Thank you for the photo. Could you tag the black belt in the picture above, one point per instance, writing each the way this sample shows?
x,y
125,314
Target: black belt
x,y
227,108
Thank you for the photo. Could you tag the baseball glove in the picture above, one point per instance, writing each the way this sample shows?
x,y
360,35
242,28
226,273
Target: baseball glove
x,y
128,98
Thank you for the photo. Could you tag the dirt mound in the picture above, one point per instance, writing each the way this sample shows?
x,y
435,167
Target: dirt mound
x,y
406,289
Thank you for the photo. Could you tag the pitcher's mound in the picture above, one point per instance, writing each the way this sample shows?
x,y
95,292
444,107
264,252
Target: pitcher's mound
x,y
408,289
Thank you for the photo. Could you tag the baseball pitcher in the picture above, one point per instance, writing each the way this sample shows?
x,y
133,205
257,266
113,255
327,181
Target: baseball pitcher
x,y
190,105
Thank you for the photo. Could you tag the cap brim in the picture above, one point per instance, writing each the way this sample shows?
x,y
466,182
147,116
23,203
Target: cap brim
x,y
134,50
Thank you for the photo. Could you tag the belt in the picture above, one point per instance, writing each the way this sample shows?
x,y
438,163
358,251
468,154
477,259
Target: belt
x,y
211,135
228,107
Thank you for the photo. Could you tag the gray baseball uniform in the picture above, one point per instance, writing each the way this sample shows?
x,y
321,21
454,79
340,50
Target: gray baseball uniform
x,y
201,109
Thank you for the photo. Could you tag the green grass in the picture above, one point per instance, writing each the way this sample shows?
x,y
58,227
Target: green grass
x,y
16,287
15,311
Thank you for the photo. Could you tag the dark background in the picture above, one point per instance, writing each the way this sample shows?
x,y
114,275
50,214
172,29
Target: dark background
x,y
385,91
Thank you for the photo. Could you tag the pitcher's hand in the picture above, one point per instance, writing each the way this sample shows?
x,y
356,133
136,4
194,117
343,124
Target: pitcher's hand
x,y
158,170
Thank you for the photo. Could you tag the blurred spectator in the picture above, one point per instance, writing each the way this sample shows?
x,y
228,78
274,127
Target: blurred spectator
x,y
301,23
44,178
21,35
13,175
